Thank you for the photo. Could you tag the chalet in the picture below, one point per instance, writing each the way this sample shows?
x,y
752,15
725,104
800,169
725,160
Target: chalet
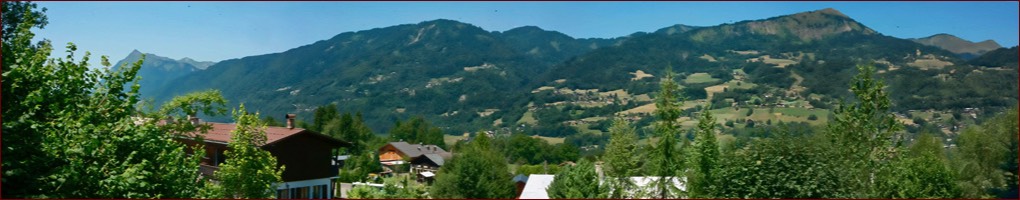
x,y
427,165
395,153
425,160
310,166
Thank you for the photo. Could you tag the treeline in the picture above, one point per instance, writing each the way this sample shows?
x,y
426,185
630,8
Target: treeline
x,y
862,153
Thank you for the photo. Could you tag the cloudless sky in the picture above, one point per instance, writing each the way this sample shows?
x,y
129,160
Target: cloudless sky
x,y
215,31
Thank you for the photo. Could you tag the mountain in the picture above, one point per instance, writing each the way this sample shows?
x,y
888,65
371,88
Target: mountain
x,y
966,49
823,34
439,69
466,79
157,71
198,64
550,47
1001,57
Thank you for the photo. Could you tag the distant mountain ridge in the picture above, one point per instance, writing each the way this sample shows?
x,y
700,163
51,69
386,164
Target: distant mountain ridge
x,y
966,49
157,71
465,79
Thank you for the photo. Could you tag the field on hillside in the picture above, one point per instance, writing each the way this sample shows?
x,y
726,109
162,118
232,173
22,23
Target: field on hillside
x,y
700,78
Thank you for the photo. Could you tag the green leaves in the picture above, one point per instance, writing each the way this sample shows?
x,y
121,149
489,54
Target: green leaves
x,y
667,157
477,171
578,182
620,160
70,132
248,172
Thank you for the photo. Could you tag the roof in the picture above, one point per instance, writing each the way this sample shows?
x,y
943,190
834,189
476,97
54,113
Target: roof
x,y
520,178
435,158
415,150
536,185
220,133
428,174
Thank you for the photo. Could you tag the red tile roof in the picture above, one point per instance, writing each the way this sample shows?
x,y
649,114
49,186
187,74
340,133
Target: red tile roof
x,y
220,132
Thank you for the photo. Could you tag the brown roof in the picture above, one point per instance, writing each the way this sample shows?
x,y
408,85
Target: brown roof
x,y
220,133
415,150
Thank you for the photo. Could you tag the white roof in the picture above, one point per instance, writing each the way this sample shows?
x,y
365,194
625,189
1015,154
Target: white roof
x,y
428,174
536,185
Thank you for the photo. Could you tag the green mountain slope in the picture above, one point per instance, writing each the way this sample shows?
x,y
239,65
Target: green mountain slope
x,y
466,79
966,49
158,72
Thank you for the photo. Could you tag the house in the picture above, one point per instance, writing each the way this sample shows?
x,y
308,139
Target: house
x,y
536,186
519,181
427,165
307,155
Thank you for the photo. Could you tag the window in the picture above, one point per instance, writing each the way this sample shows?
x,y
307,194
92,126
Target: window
x,y
220,157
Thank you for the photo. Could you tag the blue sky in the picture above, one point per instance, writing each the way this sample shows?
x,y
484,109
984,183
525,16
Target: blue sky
x,y
215,31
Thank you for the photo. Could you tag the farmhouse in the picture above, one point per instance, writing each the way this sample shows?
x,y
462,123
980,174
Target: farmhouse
x,y
310,168
425,160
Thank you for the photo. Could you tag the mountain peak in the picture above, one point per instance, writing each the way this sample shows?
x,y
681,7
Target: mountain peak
x,y
958,45
135,52
806,26
831,11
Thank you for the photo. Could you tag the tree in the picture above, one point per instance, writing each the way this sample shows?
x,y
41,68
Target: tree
x,y
986,157
865,133
417,130
72,132
667,159
705,161
15,13
923,172
248,172
475,172
323,115
393,188
578,182
783,166
620,159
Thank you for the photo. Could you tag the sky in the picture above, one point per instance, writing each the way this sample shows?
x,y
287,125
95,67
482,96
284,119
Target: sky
x,y
216,31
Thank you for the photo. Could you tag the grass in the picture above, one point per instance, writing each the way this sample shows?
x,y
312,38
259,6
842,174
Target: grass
x,y
528,118
781,114
450,140
551,140
700,78
638,75
650,107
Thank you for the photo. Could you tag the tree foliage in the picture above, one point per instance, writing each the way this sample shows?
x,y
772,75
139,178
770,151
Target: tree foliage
x,y
985,159
705,158
578,182
783,166
866,134
922,172
69,131
248,172
477,171
417,130
667,156
621,160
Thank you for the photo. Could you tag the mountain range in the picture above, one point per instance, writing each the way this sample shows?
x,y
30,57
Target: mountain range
x,y
466,79
966,49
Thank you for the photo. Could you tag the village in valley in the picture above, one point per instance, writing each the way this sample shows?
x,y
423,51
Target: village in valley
x,y
817,101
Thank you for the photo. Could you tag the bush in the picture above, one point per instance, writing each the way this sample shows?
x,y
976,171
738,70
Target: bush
x,y
812,117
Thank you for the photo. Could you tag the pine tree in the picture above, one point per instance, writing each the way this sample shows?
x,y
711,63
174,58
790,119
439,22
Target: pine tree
x,y
865,134
621,158
577,182
706,157
667,162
